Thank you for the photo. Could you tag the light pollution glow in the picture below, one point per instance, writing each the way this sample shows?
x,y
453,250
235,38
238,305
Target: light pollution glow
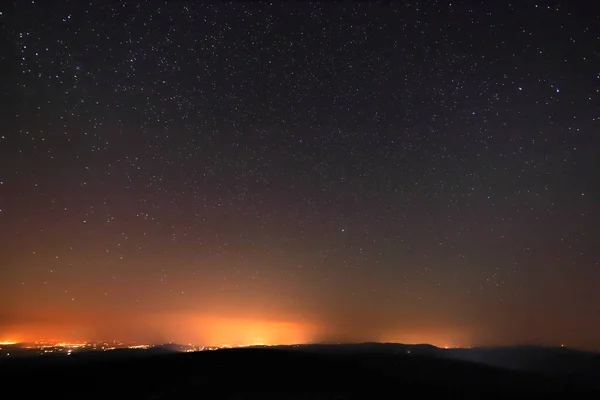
x,y
270,315
217,331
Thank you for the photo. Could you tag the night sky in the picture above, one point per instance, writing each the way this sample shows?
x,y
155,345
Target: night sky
x,y
300,172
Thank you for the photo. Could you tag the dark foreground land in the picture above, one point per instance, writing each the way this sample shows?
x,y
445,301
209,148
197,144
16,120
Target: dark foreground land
x,y
306,372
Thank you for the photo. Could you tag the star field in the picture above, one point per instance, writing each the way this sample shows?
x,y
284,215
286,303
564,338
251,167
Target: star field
x,y
419,171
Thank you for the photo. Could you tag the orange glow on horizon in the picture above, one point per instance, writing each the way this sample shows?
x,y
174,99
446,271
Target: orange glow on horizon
x,y
217,331
184,328
442,339
220,330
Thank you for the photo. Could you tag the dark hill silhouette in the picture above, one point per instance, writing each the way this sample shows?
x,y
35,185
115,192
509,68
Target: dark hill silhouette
x,y
556,361
354,371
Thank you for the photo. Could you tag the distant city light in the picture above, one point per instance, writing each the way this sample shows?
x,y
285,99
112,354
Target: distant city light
x,y
69,348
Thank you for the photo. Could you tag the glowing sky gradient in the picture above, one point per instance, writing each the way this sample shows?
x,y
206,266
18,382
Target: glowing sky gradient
x,y
300,172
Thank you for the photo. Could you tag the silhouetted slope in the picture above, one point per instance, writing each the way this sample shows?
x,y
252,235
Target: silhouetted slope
x,y
555,361
351,371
